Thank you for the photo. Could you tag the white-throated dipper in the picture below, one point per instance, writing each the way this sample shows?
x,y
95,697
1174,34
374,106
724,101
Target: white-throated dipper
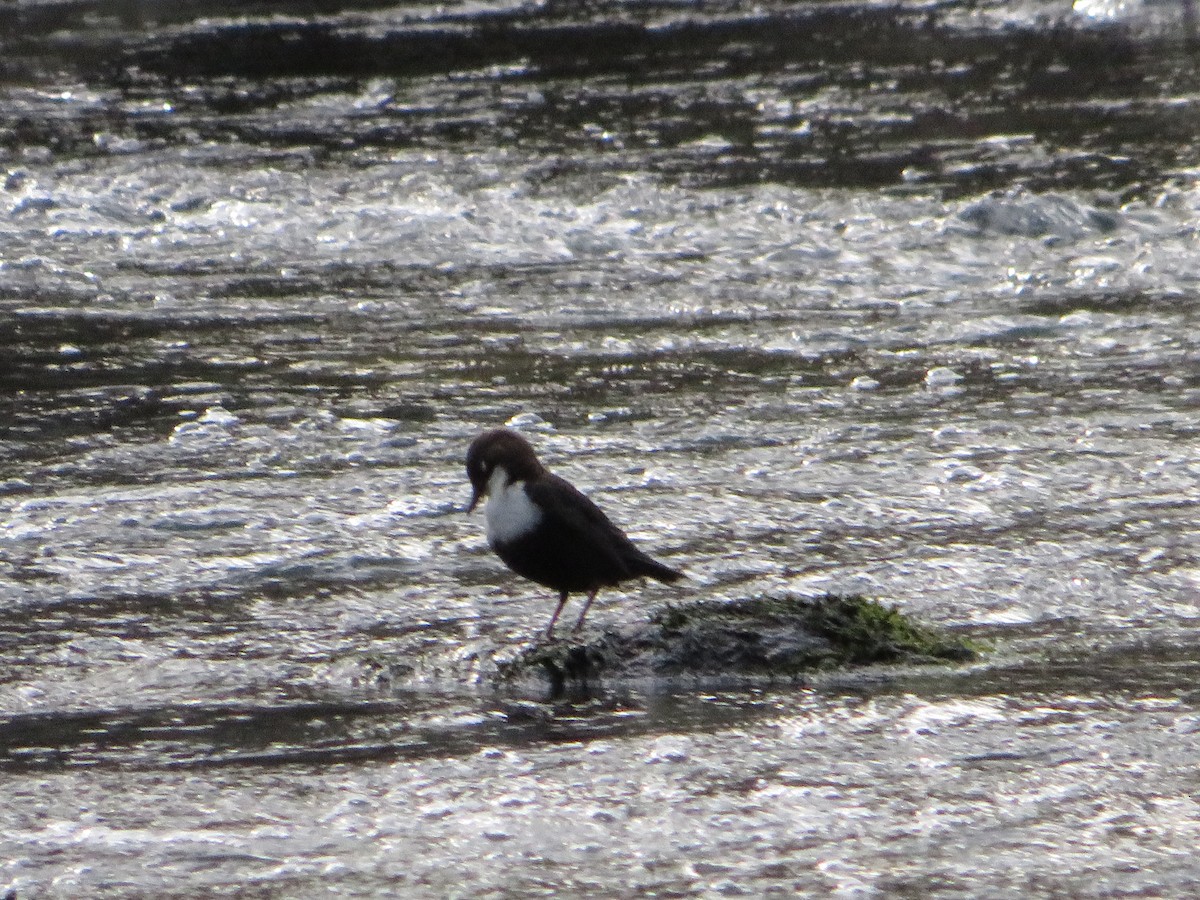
x,y
546,530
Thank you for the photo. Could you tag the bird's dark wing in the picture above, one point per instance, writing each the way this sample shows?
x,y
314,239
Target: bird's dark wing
x,y
582,521
584,526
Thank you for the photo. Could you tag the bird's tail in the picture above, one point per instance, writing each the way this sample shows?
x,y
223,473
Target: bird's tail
x,y
652,568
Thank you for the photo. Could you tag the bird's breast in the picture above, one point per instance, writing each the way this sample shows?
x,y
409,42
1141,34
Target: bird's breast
x,y
511,515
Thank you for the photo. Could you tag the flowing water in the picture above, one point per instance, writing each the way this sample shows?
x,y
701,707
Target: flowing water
x,y
899,300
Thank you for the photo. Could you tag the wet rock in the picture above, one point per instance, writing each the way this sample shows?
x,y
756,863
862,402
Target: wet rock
x,y
770,636
1047,216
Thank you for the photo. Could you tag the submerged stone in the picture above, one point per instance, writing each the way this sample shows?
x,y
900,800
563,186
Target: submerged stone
x,y
770,636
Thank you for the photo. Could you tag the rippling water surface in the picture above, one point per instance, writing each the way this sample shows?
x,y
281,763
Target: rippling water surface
x,y
897,300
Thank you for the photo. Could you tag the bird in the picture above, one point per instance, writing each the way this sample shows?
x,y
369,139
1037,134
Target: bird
x,y
545,529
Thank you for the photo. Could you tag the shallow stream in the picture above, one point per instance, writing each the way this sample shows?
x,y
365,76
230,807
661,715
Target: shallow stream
x,y
898,300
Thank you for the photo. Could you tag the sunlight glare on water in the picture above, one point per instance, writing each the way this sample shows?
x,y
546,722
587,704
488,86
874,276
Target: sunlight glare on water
x,y
916,325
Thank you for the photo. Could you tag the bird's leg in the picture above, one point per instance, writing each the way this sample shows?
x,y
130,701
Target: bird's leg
x,y
586,607
562,601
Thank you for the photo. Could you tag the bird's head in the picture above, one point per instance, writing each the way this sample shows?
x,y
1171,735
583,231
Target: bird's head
x,y
499,449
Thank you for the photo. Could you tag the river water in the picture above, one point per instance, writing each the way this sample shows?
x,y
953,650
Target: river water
x,y
895,300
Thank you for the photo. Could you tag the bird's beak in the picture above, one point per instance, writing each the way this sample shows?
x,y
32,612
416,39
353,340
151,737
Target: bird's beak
x,y
475,495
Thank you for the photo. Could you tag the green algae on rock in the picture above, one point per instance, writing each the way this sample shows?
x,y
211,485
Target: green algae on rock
x,y
769,636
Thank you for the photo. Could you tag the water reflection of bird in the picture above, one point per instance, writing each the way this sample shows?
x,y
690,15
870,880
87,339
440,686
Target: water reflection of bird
x,y
545,529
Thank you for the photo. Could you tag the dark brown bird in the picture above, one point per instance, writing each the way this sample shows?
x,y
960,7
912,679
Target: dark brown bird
x,y
546,530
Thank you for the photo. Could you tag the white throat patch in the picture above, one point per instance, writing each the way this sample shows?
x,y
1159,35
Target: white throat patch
x,y
510,512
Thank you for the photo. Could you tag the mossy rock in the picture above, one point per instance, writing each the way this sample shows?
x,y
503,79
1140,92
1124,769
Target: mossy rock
x,y
769,636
